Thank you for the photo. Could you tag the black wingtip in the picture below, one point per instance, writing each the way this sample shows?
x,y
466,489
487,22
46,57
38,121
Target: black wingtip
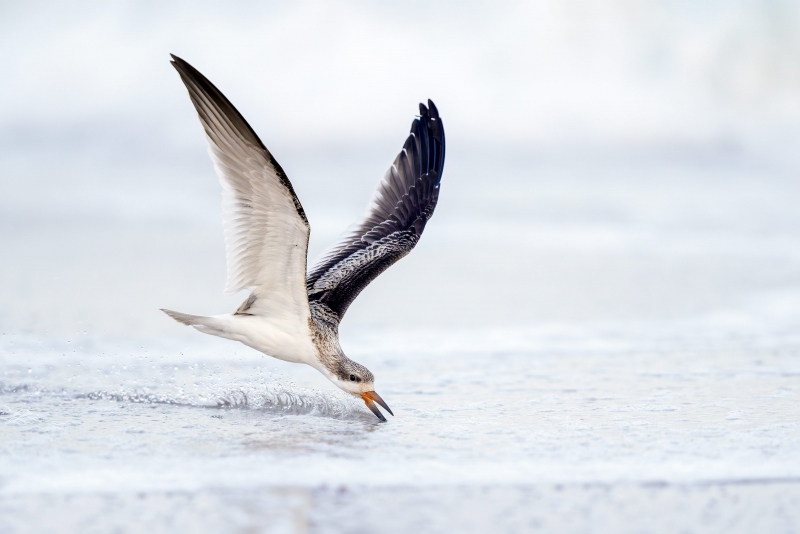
x,y
185,68
181,65
433,111
423,111
178,63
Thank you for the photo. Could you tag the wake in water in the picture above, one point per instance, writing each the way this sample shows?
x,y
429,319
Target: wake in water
x,y
129,374
275,399
291,401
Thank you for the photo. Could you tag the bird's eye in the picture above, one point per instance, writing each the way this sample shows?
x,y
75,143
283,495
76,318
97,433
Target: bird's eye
x,y
352,378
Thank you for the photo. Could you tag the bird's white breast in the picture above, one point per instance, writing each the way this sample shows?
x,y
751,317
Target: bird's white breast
x,y
286,338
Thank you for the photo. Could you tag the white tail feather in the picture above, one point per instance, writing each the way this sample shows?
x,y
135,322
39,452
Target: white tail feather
x,y
208,325
185,318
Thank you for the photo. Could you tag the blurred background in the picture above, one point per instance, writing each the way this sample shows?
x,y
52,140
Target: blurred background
x,y
606,160
597,332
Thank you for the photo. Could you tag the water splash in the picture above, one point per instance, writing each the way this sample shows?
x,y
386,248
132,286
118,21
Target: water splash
x,y
276,399
136,397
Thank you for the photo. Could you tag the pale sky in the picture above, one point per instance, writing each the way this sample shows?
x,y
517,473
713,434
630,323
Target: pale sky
x,y
93,119
109,203
511,73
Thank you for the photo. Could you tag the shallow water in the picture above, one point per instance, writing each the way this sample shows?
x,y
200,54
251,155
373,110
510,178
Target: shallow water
x,y
570,430
622,355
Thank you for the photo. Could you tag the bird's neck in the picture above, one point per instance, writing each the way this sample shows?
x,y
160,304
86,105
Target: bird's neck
x,y
329,355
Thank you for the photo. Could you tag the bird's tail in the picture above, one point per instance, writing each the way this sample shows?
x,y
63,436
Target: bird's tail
x,y
208,325
185,318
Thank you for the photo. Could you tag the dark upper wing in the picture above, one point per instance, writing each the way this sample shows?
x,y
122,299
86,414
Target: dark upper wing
x,y
392,224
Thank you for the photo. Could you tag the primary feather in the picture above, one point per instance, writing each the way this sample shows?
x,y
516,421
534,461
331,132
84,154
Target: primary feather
x,y
391,225
266,230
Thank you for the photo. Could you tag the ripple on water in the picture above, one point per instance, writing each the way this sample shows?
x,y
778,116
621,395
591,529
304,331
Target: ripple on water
x,y
274,399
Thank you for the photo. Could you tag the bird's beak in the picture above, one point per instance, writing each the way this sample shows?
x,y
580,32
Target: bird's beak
x,y
371,396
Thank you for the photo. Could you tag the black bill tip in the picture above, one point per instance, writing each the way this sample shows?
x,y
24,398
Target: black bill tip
x,y
370,398
377,398
376,411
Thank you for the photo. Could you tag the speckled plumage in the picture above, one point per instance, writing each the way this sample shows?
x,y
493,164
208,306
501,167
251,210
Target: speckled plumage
x,y
324,329
393,222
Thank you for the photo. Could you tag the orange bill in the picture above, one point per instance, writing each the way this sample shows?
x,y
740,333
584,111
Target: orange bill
x,y
370,398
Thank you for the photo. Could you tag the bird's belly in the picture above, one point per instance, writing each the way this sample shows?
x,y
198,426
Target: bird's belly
x,y
288,341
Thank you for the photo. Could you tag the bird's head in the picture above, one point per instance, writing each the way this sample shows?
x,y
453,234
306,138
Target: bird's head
x,y
356,379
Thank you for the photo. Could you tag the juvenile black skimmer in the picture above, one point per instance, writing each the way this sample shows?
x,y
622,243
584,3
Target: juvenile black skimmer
x,y
291,314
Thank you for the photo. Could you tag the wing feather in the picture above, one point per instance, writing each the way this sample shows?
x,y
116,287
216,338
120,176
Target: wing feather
x,y
392,224
266,229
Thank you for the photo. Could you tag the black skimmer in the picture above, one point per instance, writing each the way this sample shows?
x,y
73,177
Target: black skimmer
x,y
293,314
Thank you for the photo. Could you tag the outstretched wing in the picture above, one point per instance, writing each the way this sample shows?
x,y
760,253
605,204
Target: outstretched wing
x,y
392,224
266,230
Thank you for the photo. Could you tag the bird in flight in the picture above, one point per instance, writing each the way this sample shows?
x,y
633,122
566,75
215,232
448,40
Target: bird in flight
x,y
291,314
